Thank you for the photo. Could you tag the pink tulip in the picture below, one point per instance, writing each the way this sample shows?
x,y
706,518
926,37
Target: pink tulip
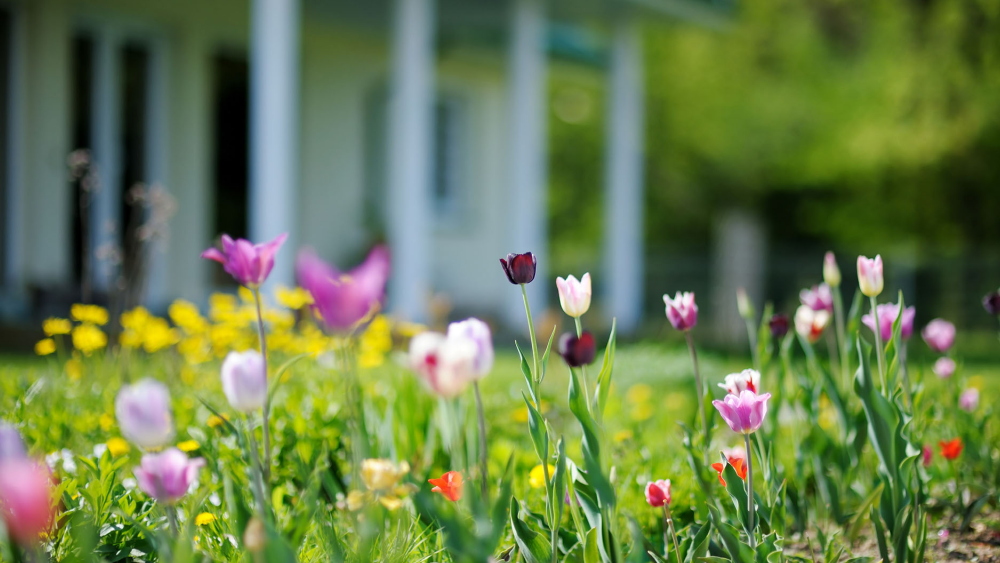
x,y
343,299
939,335
658,493
244,380
928,456
736,383
831,273
478,332
969,400
744,413
887,313
11,444
944,367
248,263
574,296
25,499
810,323
446,364
167,476
870,278
682,312
143,412
819,298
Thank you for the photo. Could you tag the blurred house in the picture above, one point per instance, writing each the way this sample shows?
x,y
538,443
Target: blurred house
x,y
412,122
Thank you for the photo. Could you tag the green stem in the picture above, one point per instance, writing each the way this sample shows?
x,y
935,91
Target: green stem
x,y
172,518
750,503
838,317
483,454
257,473
583,369
752,337
880,353
531,332
669,525
906,374
700,389
262,337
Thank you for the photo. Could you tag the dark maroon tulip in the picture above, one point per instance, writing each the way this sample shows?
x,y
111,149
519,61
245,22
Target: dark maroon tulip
x,y
779,325
520,268
577,351
992,303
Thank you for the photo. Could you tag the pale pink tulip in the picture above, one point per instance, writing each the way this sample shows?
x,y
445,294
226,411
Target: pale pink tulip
x,y
939,335
166,476
870,277
736,383
574,296
944,367
682,312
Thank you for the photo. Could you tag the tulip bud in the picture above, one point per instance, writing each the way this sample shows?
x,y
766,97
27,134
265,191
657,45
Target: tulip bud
x,y
819,297
244,380
969,400
778,325
520,268
25,499
744,305
991,302
143,412
167,475
944,367
11,444
577,351
658,493
870,275
887,313
928,456
574,296
682,312
939,335
831,273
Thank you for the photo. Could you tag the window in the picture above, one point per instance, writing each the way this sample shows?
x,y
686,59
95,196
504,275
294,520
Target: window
x,y
230,166
449,160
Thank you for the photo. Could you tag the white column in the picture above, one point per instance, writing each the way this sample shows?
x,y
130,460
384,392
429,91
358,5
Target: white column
x,y
274,128
409,160
157,163
106,130
526,99
623,252
15,221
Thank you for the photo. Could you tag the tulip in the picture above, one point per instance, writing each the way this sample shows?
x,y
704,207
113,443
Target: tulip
x,y
244,380
381,475
166,476
143,412
11,444
939,335
449,485
682,312
991,302
744,413
658,493
969,399
887,314
341,300
928,456
778,325
819,298
248,263
870,275
577,351
520,268
574,295
478,332
810,323
944,367
744,305
951,449
736,383
738,463
25,499
447,365
831,273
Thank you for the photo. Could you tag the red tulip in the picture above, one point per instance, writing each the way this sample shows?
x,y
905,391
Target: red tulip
x,y
952,449
520,268
449,485
738,463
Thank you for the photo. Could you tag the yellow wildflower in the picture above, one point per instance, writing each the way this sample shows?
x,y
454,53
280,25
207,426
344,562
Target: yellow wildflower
x,y
88,338
195,349
409,330
135,319
186,315
117,447
536,478
53,326
623,436
245,295
220,305
295,299
158,335
107,422
45,347
93,314
976,381
216,421
642,411
74,368
204,519
188,446
638,393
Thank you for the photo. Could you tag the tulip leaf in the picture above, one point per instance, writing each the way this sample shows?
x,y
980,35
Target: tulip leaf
x,y
738,551
736,488
883,417
536,427
559,481
591,442
590,552
854,527
276,377
526,371
586,495
544,367
699,544
603,389
534,547
883,548
767,548
901,535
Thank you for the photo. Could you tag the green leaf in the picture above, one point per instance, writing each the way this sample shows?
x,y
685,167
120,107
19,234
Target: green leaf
x,y
901,535
603,389
699,544
545,356
526,371
276,377
591,443
559,481
738,551
534,547
855,522
883,417
736,488
883,548
536,428
590,552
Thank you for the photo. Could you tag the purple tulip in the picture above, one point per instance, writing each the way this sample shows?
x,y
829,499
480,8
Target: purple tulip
x,y
887,313
577,351
244,380
11,444
682,312
969,400
166,476
819,298
944,367
520,268
939,335
991,302
743,413
478,332
343,299
143,412
778,325
248,263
